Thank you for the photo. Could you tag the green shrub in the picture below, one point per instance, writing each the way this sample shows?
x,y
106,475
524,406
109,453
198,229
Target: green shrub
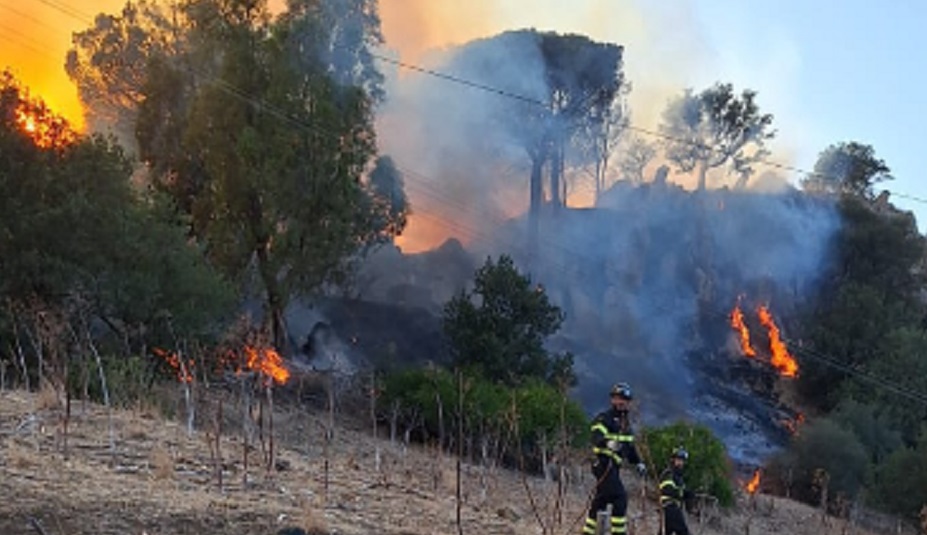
x,y
708,469
823,445
530,418
898,486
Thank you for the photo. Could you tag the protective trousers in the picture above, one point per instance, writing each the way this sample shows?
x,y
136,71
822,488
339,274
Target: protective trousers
x,y
674,523
609,490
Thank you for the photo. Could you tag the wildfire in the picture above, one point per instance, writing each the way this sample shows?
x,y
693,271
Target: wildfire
x,y
26,121
184,370
44,128
781,359
754,484
267,362
738,324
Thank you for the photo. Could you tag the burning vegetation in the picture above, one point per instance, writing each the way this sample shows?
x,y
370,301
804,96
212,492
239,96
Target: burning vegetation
x,y
738,324
184,370
780,358
754,484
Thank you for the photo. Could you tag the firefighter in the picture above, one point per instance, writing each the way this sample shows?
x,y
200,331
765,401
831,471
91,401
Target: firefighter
x,y
674,494
613,445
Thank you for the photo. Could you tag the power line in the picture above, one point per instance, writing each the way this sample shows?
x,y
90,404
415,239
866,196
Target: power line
x,y
263,105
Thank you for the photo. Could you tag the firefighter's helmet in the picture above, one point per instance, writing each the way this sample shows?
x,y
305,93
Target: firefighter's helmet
x,y
622,390
680,453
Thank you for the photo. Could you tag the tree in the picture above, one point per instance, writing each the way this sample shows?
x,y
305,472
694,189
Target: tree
x,y
824,445
570,89
847,168
869,290
635,157
245,123
109,63
389,206
716,128
499,327
899,482
79,240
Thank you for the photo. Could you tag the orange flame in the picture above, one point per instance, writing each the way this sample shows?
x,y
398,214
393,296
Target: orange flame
x,y
267,362
754,483
44,128
184,370
781,359
738,324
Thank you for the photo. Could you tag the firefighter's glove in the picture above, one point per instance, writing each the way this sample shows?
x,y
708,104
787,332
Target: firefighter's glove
x,y
641,469
612,445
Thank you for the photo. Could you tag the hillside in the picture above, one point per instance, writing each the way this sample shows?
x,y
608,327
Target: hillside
x,y
160,481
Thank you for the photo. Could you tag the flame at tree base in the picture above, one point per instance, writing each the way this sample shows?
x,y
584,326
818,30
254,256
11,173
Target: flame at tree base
x,y
754,484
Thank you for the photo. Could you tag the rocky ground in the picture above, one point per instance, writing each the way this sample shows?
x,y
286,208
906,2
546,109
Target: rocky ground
x,y
149,476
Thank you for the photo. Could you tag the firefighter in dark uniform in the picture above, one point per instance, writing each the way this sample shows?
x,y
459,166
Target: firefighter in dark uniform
x,y
613,445
674,495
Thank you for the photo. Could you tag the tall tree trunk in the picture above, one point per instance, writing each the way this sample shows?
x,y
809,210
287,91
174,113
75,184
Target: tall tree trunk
x,y
702,175
556,175
275,301
537,191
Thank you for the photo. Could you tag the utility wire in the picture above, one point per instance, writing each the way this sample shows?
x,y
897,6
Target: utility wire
x,y
796,348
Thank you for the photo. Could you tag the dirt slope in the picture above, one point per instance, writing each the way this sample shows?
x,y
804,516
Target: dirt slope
x,y
158,480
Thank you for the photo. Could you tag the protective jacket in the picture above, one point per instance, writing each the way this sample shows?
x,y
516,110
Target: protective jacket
x,y
674,496
611,428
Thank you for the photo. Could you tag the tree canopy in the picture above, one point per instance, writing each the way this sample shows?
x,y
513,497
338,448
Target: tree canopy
x,y
260,130
500,326
716,128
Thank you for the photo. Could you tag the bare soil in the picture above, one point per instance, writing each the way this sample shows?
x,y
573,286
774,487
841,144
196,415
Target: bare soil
x,y
153,478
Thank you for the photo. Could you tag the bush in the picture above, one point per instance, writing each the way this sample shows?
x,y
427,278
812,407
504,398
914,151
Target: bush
x,y
898,485
537,411
708,469
823,445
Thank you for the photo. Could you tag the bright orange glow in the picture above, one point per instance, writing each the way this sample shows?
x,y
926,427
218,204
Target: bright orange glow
x,y
268,363
184,370
26,121
781,359
754,483
738,324
45,129
35,45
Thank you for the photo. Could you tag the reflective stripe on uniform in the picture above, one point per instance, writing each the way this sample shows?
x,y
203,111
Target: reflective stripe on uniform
x,y
619,524
667,500
608,453
589,526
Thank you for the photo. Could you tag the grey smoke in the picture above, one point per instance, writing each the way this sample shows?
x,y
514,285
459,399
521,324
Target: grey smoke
x,y
630,272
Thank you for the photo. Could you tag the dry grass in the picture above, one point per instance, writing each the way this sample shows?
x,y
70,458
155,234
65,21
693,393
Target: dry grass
x,y
161,462
161,482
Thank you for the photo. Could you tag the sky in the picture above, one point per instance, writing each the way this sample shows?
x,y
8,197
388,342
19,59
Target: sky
x,y
828,71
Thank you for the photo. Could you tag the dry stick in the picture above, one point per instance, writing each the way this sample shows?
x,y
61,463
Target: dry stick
x,y
106,401
373,419
645,453
186,376
513,428
19,349
330,430
218,456
460,394
246,423
270,424
36,343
